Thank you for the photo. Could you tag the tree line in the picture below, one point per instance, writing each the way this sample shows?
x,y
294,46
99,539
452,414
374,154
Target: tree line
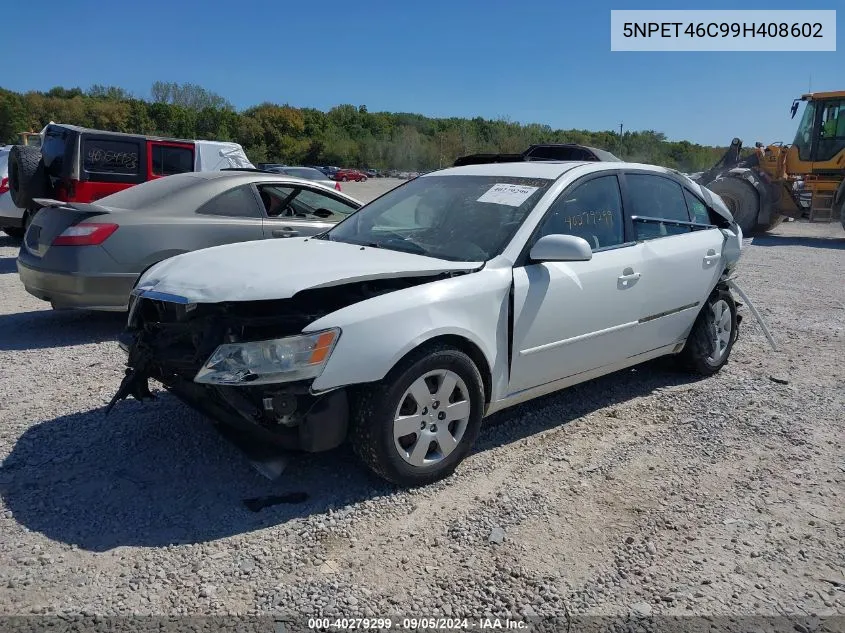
x,y
346,135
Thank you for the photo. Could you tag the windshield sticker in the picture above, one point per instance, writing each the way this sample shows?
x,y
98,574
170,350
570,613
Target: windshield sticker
x,y
511,195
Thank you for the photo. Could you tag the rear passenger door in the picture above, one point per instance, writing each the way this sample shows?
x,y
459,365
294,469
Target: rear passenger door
x,y
681,255
296,211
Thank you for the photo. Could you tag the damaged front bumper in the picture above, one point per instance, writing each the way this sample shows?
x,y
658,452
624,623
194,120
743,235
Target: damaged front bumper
x,y
171,342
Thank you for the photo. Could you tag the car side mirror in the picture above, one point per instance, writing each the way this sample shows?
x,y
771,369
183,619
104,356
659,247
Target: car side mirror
x,y
561,248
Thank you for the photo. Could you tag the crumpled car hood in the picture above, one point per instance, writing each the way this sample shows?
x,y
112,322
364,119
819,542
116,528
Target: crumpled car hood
x,y
278,269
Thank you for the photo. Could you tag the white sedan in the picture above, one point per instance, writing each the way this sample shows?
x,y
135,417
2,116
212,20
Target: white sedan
x,y
455,295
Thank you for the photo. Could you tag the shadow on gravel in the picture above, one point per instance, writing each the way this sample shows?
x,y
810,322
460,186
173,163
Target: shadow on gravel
x,y
156,474
8,265
40,329
835,243
558,409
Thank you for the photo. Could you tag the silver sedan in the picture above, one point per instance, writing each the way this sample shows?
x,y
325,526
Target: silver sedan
x,y
89,256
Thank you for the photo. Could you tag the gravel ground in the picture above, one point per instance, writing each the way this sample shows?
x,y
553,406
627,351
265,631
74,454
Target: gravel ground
x,y
643,492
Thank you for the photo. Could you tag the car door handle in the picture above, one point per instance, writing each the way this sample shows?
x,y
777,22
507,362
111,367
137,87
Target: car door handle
x,y
628,277
711,256
285,232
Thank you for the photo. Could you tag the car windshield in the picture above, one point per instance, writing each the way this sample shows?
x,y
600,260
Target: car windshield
x,y
305,172
458,218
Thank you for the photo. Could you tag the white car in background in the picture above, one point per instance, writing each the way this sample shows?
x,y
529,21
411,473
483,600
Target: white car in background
x,y
457,294
11,217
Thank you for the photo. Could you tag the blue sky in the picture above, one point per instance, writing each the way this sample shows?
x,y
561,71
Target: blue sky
x,y
527,60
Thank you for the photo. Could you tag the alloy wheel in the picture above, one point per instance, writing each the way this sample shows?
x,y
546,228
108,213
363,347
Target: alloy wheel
x,y
721,322
431,418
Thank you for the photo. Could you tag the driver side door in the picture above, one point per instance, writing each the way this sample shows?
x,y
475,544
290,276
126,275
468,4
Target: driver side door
x,y
293,211
572,317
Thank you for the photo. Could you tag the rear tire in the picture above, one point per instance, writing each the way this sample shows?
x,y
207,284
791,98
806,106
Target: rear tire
x,y
712,337
741,199
14,232
440,430
27,177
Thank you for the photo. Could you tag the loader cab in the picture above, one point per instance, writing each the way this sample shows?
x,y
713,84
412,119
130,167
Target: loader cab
x,y
820,138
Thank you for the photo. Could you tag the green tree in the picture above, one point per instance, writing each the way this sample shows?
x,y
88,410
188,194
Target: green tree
x,y
346,135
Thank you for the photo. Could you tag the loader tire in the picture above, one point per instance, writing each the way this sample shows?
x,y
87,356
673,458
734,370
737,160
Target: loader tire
x,y
774,220
741,199
27,178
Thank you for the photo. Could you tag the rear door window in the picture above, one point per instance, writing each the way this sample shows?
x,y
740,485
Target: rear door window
x,y
239,202
657,203
113,157
169,159
697,209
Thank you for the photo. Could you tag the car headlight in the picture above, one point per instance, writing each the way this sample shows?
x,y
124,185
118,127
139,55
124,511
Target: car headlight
x,y
264,362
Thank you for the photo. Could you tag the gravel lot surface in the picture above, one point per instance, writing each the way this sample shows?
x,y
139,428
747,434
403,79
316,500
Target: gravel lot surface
x,y
643,492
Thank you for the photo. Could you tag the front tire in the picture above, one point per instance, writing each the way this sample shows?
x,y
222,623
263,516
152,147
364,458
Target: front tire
x,y
712,337
414,427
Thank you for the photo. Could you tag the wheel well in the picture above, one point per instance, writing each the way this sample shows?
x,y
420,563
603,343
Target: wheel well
x,y
470,349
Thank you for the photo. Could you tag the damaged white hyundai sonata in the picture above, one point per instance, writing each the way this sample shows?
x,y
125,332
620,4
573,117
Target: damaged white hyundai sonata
x,y
455,295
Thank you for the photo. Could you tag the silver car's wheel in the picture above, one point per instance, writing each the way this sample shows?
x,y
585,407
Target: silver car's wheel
x,y
431,418
722,327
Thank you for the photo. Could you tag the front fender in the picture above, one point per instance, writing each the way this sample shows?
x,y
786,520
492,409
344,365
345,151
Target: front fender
x,y
377,333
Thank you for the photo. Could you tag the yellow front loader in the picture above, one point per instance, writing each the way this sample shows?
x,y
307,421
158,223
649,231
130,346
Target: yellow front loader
x,y
778,181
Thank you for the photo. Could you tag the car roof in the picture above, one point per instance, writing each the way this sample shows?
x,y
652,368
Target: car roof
x,y
88,130
550,169
182,188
